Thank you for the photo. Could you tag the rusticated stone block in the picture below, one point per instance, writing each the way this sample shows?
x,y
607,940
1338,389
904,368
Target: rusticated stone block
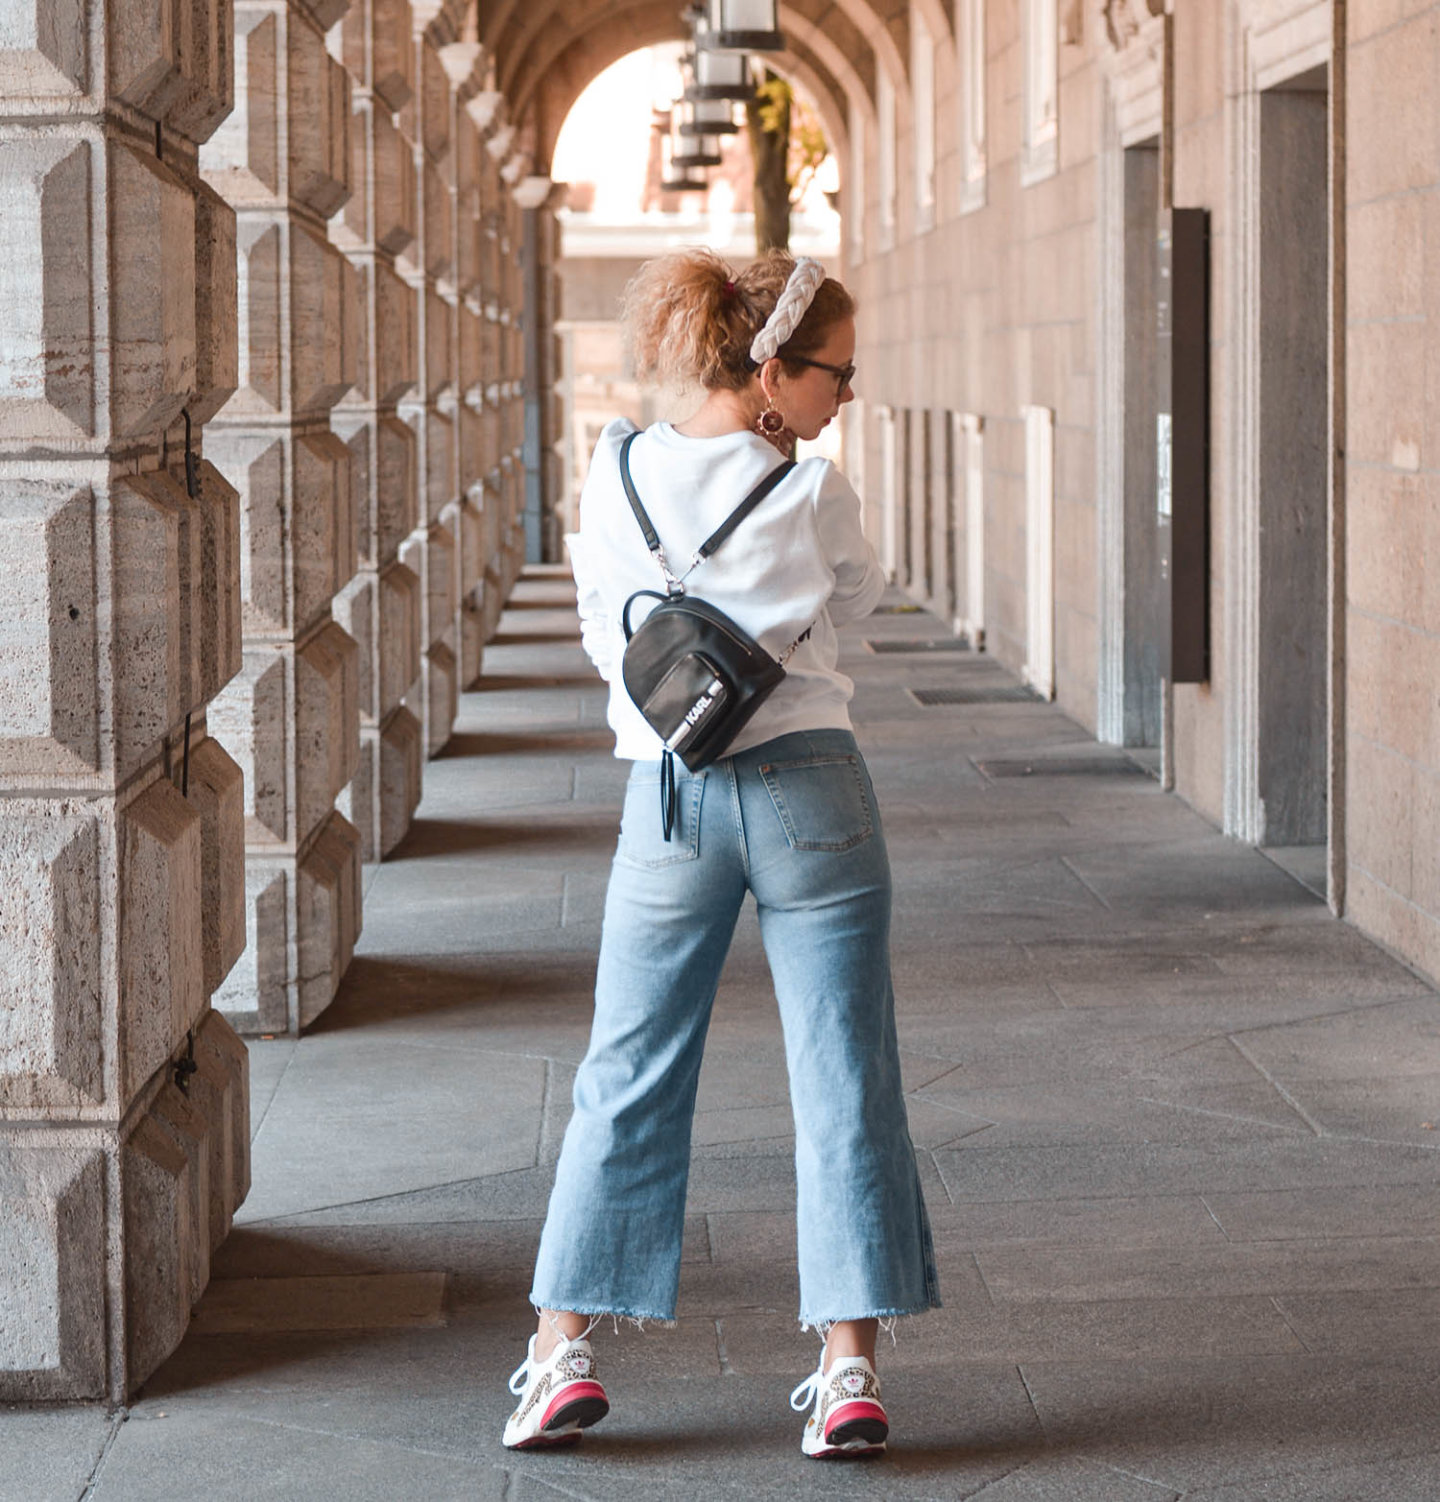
x,y
161,1243
435,459
402,765
432,556
325,13
469,345
322,542
146,44
377,46
220,1087
261,260
207,29
52,1271
392,184
48,697
43,50
162,988
322,334
469,526
191,616
328,914
382,464
251,718
257,464
50,1004
217,367
255,996
439,332
437,220
242,158
327,723
441,695
359,799
219,502
468,453
318,121
47,378
428,116
396,509
356,610
396,366
171,603
187,1127
399,634
152,302
217,792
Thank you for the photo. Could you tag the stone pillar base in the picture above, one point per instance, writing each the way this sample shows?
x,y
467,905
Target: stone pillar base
x,y
107,1233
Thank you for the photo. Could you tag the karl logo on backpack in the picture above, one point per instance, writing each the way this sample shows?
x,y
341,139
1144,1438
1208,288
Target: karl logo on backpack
x,y
695,676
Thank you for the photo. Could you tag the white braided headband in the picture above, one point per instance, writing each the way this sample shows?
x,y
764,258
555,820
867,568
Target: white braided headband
x,y
799,293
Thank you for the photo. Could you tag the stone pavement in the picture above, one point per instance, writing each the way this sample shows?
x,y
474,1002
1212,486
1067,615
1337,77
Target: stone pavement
x,y
1175,1123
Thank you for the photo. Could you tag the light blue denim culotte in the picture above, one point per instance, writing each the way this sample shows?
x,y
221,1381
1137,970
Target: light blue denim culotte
x,y
795,822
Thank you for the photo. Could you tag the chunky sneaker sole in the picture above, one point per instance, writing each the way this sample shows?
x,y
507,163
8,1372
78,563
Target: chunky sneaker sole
x,y
575,1407
559,1397
849,1420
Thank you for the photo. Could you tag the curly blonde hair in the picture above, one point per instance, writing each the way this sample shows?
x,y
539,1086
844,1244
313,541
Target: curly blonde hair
x,y
690,318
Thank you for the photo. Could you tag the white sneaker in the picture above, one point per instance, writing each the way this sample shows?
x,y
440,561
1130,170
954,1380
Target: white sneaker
x,y
849,1418
559,1396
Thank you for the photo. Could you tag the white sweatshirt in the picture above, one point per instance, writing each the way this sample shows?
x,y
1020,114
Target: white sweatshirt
x,y
798,560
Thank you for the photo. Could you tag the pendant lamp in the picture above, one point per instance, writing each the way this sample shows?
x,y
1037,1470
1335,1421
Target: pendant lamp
x,y
742,26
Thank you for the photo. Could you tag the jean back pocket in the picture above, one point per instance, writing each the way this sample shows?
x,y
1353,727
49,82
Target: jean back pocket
x,y
642,842
822,801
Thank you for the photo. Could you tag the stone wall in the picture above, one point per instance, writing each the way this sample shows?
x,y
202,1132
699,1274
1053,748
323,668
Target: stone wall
x,y
1392,495
124,1141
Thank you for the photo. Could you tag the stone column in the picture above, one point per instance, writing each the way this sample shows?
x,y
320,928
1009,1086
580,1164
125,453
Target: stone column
x,y
511,544
124,1140
291,718
380,607
464,61
428,265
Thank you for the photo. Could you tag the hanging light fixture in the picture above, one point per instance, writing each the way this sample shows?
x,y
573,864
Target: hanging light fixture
x,y
697,151
718,75
742,26
674,176
707,117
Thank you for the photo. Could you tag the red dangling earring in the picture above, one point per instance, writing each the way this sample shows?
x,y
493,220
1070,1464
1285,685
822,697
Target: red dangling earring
x,y
771,421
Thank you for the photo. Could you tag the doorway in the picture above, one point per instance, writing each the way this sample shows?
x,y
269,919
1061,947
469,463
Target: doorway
x,y
1292,470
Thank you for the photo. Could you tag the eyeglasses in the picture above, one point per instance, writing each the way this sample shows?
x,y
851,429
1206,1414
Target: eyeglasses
x,y
844,374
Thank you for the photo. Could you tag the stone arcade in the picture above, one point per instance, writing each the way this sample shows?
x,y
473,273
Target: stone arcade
x,y
277,418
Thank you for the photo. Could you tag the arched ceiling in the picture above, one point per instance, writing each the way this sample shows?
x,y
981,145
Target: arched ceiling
x,y
545,53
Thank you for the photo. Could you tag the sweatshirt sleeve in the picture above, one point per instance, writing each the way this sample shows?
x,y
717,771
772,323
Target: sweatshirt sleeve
x,y
594,617
859,579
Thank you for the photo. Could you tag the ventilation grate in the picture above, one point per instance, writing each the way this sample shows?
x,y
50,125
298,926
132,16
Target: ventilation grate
x,y
920,644
998,693
1062,766
898,610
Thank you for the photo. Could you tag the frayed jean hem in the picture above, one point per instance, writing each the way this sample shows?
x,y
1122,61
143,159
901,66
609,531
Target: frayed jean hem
x,y
638,1318
887,1318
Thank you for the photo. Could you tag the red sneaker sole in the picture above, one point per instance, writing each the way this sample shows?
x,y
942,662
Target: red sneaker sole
x,y
577,1403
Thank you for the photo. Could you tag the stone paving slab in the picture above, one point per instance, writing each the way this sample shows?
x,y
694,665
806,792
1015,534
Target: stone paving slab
x,y
1171,1120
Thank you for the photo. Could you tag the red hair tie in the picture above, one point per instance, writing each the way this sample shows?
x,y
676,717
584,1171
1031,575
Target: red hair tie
x,y
729,289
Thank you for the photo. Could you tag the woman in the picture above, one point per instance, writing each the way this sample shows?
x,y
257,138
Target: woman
x,y
788,814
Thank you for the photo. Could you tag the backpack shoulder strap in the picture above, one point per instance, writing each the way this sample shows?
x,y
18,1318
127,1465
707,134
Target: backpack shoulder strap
x,y
652,540
744,509
719,535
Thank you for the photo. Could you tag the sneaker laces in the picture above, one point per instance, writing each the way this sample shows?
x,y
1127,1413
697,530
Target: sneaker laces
x,y
809,1389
